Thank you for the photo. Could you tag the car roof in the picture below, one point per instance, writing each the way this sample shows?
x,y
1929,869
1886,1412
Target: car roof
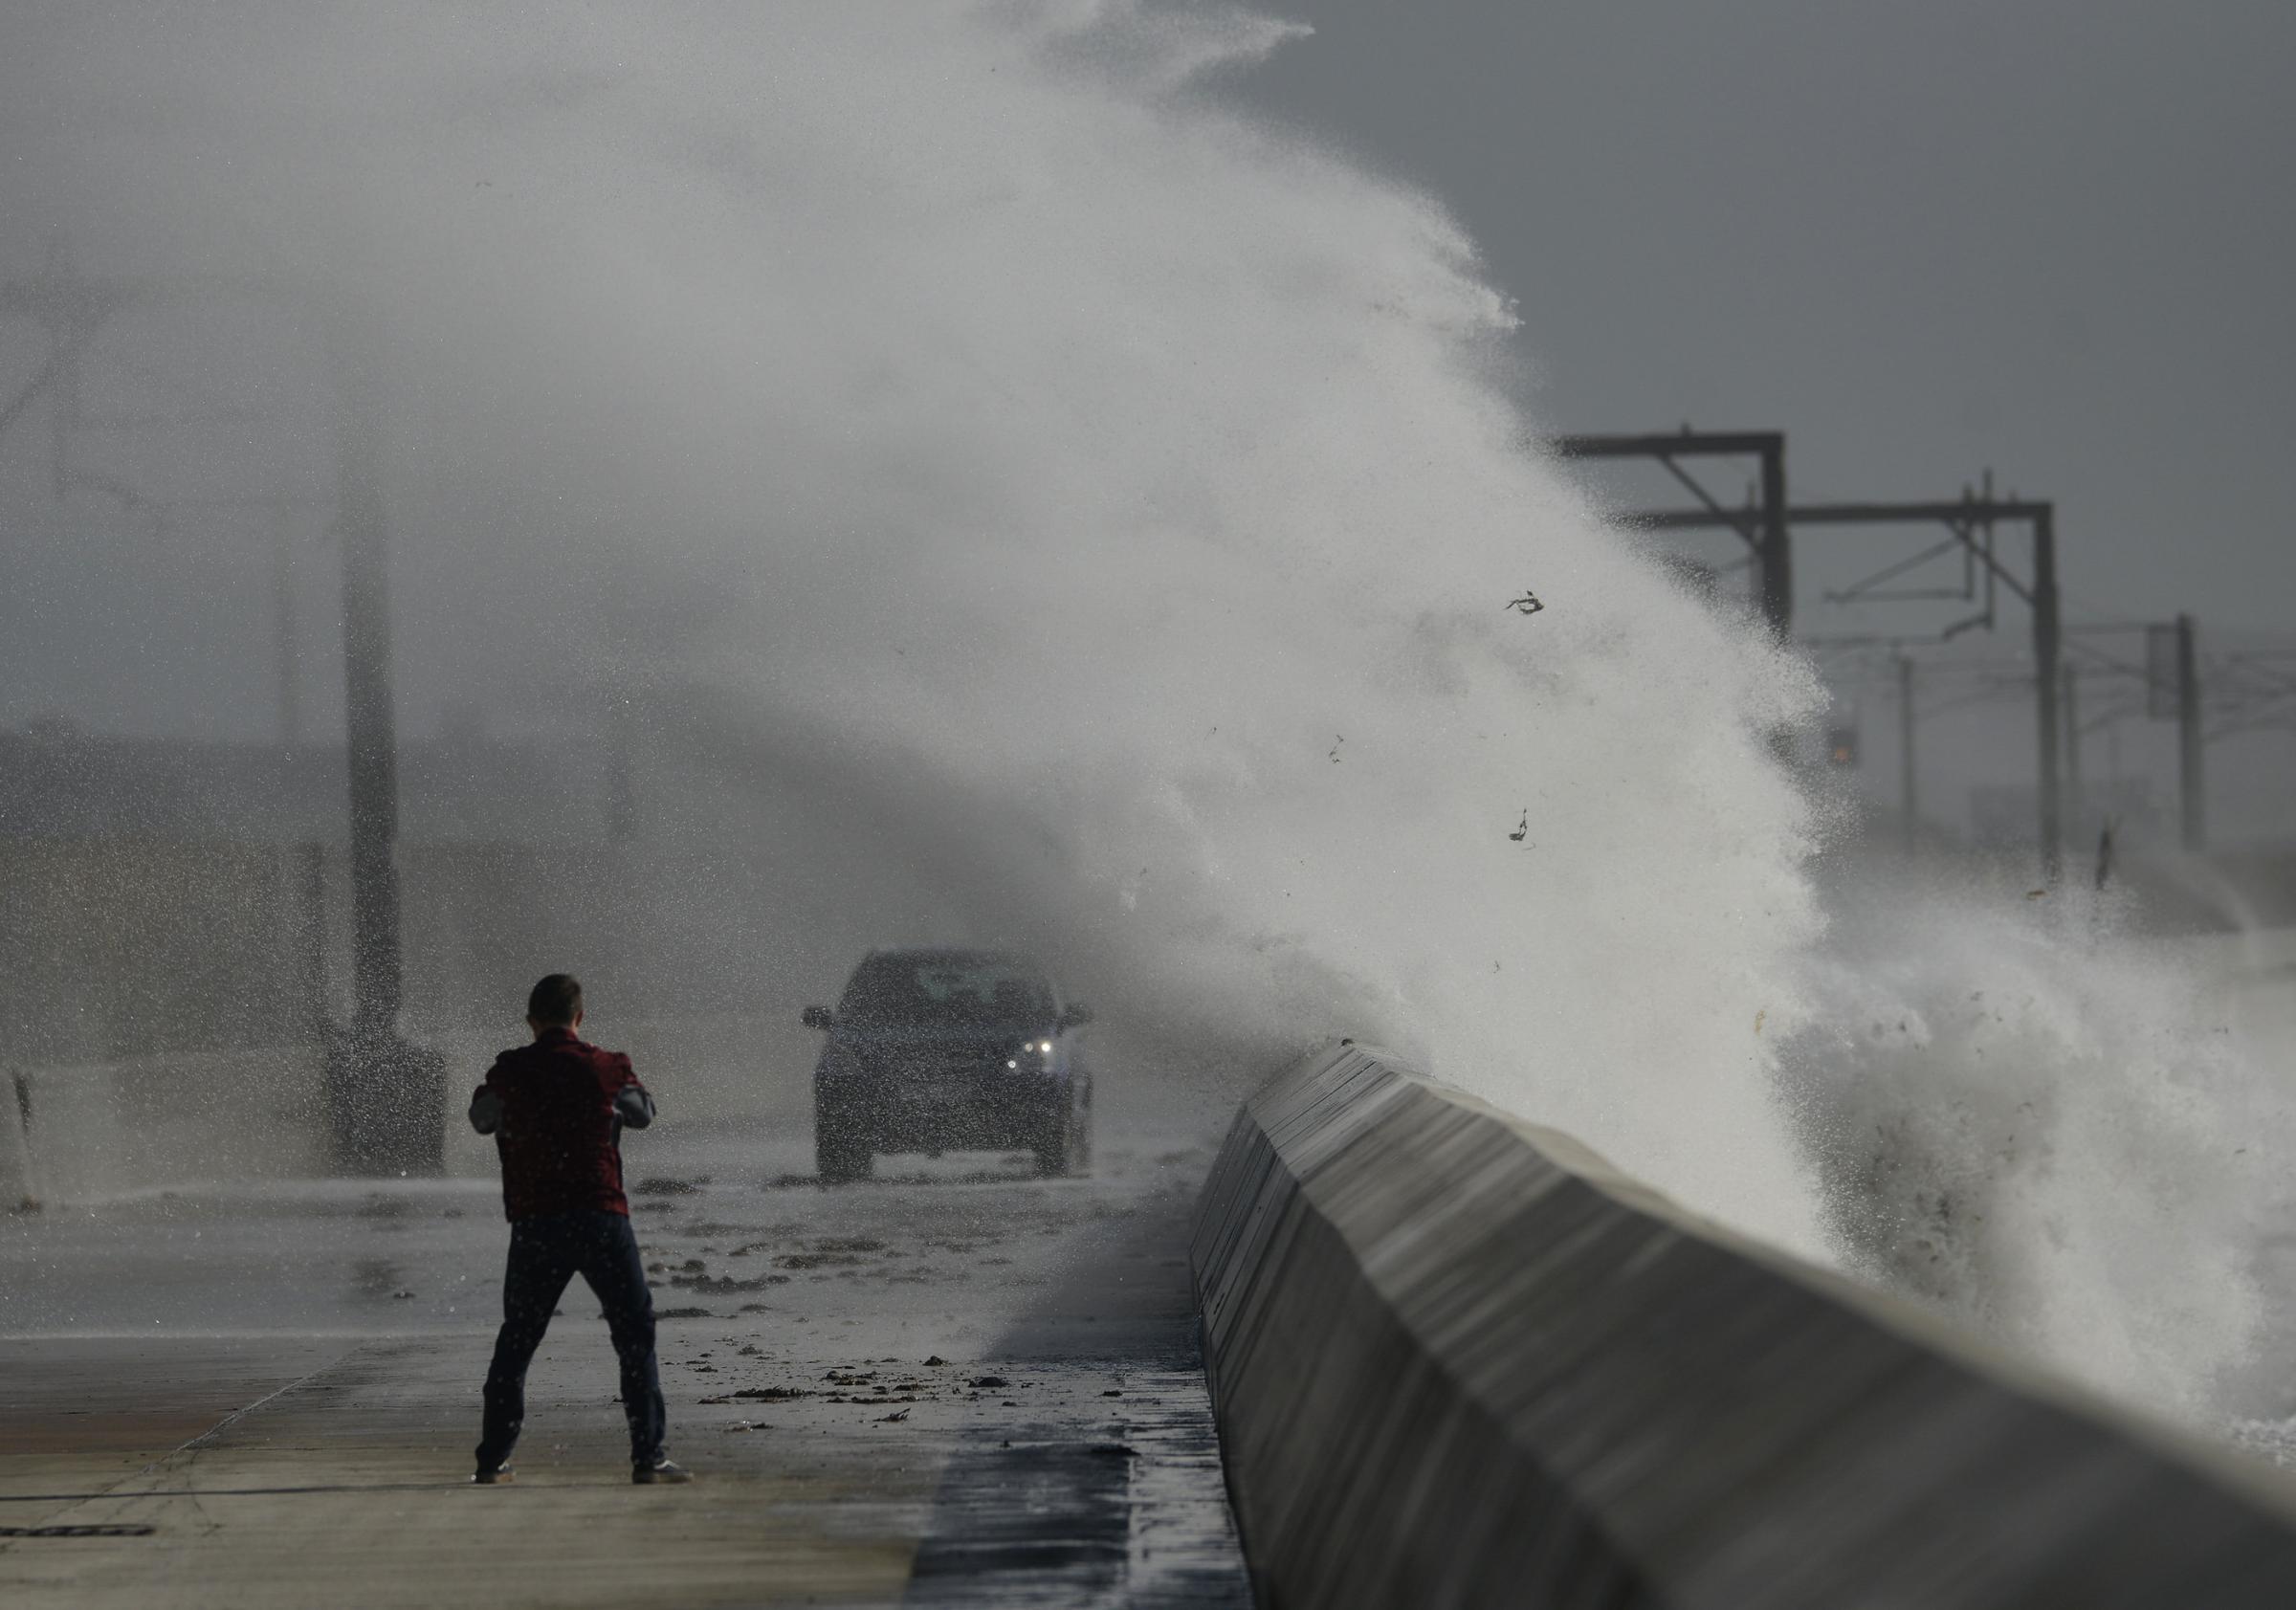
x,y
954,953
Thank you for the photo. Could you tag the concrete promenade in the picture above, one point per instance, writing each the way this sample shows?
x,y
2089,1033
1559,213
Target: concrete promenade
x,y
962,1385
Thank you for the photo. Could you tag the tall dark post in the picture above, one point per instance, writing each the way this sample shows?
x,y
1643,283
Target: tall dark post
x,y
370,726
286,650
2047,654
2076,806
1775,552
387,1093
1909,804
2190,755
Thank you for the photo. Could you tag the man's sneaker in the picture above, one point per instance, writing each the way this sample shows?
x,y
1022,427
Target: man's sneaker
x,y
501,1475
660,1470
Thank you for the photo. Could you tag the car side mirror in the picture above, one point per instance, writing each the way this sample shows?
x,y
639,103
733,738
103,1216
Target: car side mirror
x,y
1076,1016
820,1017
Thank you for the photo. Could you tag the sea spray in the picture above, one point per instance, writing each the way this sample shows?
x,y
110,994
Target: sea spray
x,y
2044,1125
1024,498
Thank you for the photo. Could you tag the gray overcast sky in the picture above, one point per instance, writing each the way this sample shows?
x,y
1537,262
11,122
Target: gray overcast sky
x,y
2047,236
2053,237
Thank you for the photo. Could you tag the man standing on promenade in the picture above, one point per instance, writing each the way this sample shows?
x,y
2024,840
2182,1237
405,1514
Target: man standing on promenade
x,y
557,1109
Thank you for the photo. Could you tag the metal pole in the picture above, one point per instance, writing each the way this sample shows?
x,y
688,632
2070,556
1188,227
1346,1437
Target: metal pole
x,y
2076,813
372,730
2047,650
286,650
1776,554
390,1093
2190,755
1909,799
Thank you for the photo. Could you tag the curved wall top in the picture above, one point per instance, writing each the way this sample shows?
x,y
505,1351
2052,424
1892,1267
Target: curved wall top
x,y
1459,1360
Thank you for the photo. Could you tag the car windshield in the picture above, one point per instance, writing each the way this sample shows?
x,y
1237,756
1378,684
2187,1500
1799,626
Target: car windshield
x,y
946,989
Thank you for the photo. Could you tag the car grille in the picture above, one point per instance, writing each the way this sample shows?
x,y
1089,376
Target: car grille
x,y
945,1076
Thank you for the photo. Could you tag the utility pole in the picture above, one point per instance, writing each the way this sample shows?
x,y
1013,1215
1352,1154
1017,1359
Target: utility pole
x,y
1773,554
1909,804
2048,646
2075,806
286,647
369,719
2191,756
387,1095
387,1091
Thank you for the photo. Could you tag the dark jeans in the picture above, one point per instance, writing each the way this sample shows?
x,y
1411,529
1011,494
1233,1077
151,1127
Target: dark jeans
x,y
545,1252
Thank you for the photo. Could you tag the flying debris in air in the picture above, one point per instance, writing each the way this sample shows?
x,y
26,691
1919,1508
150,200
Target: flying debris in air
x,y
1522,832
1527,604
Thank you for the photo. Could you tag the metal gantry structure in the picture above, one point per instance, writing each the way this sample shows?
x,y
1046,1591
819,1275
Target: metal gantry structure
x,y
1969,522
1763,523
2209,697
376,1071
73,309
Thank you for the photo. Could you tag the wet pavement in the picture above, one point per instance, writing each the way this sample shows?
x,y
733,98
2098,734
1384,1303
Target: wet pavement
x,y
955,1384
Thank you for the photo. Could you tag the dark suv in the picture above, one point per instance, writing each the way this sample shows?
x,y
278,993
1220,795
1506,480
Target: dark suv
x,y
945,1050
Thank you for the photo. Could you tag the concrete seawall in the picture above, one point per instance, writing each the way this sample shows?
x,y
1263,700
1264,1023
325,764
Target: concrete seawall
x,y
1459,1360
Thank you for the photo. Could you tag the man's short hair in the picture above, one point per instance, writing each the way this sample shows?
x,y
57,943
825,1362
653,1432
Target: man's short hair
x,y
556,1000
